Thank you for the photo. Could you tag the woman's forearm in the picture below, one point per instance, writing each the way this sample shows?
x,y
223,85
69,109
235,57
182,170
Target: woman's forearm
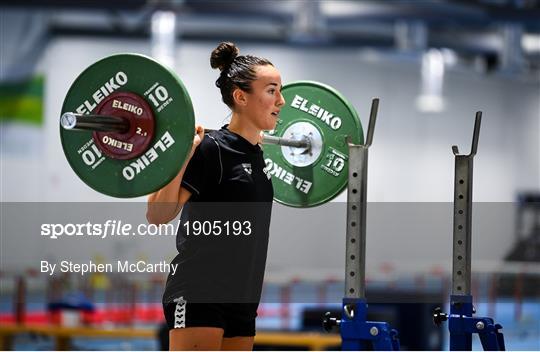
x,y
164,204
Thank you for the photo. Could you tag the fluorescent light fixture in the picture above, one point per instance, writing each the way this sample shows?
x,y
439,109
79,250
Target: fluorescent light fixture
x,y
530,42
163,38
432,79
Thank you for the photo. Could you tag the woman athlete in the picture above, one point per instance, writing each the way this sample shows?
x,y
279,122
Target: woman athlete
x,y
211,302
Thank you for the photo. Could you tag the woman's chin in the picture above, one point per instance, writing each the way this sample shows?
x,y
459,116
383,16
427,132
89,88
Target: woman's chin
x,y
271,124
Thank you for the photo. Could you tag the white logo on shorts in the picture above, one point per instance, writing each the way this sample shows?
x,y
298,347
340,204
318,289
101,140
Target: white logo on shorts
x,y
180,313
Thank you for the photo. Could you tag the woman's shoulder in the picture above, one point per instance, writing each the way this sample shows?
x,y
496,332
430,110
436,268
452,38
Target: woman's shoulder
x,y
210,142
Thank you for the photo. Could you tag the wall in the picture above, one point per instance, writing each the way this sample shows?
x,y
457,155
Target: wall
x,y
410,160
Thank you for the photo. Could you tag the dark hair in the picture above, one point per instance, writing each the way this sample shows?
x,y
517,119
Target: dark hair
x,y
237,71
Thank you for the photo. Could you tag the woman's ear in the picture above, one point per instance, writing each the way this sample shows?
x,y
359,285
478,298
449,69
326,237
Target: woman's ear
x,y
239,97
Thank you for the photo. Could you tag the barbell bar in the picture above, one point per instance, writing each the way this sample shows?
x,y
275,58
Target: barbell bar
x,y
104,123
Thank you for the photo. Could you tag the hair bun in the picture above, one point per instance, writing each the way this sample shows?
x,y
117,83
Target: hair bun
x,y
223,56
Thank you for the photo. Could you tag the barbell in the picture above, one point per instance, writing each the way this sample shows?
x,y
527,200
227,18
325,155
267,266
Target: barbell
x,y
127,127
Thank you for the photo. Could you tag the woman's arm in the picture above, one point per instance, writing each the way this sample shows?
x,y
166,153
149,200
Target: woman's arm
x,y
165,204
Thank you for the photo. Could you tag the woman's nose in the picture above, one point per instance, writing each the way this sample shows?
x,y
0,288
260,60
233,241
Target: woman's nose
x,y
281,100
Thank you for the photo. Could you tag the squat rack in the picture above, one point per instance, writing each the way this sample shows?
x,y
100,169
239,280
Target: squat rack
x,y
359,334
356,332
461,323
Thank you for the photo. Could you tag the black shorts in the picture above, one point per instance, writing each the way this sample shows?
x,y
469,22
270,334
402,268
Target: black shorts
x,y
236,319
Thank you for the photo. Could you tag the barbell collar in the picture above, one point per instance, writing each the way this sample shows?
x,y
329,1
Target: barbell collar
x,y
91,122
295,143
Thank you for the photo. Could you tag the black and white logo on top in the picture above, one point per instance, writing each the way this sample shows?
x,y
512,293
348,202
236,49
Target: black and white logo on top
x,y
247,168
267,172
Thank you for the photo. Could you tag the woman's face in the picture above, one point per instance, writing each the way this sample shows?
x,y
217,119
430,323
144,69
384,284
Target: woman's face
x,y
263,103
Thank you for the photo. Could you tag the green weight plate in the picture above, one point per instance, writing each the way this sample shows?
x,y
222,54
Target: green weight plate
x,y
306,178
173,134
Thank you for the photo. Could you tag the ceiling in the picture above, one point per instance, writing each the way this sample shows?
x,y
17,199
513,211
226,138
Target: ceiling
x,y
504,33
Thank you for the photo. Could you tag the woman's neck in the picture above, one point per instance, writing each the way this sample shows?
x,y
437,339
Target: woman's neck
x,y
244,128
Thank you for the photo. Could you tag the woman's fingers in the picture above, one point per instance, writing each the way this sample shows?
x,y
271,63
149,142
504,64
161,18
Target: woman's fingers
x,y
199,135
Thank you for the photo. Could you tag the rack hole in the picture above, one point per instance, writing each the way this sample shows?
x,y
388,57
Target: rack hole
x,y
460,211
353,240
354,190
351,290
353,224
459,272
351,273
353,257
354,174
459,288
460,196
460,227
353,207
459,242
461,182
459,257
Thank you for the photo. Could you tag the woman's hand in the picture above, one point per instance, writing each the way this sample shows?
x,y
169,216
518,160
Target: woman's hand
x,y
197,139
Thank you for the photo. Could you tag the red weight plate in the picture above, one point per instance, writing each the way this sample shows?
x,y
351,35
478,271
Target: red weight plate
x,y
136,140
